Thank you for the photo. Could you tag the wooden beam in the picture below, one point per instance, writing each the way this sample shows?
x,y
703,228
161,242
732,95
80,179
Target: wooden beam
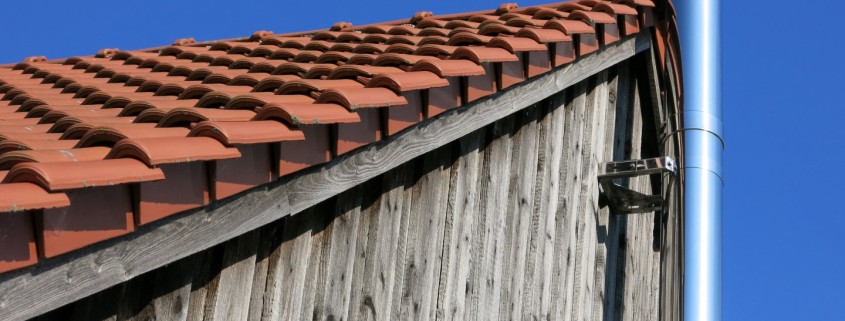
x,y
51,284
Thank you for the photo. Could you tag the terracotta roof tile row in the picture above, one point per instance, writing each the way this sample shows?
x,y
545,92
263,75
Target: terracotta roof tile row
x,y
91,147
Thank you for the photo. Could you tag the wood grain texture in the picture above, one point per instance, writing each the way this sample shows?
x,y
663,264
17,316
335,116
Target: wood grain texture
x,y
233,285
488,212
519,213
565,252
340,257
316,272
369,208
546,208
423,250
205,267
461,215
496,166
172,290
270,239
286,270
617,224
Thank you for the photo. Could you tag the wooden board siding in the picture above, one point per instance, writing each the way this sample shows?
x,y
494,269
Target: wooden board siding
x,y
501,224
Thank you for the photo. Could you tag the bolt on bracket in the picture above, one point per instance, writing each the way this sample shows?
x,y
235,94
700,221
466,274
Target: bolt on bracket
x,y
623,200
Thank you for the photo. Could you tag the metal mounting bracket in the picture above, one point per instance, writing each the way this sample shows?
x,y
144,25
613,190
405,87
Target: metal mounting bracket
x,y
623,200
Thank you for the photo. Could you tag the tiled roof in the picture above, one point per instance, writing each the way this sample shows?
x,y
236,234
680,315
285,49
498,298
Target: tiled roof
x,y
91,147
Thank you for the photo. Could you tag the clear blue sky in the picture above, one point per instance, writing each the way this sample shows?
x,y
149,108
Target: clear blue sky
x,y
783,113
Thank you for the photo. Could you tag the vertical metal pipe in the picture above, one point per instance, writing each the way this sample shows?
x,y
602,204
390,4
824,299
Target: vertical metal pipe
x,y
699,36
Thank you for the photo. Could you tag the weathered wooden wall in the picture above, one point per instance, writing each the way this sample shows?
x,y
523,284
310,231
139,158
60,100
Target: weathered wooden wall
x,y
503,224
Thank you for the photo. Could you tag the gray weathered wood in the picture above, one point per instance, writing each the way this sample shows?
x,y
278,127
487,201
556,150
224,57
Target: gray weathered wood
x,y
340,257
366,241
173,290
271,238
202,275
547,196
461,213
286,269
134,297
229,299
423,250
519,214
564,276
617,223
385,254
316,271
584,249
483,303
641,288
603,215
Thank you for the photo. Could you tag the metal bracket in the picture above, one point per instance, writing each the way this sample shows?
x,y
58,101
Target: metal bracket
x,y
623,200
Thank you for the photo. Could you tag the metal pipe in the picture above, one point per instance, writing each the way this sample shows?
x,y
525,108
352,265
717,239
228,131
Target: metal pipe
x,y
700,51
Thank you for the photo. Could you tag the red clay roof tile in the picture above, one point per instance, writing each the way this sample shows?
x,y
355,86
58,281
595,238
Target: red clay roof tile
x,y
613,8
406,81
516,44
188,115
72,175
449,68
308,114
26,196
158,151
591,16
305,86
258,99
484,54
247,132
570,27
543,35
34,144
355,98
10,159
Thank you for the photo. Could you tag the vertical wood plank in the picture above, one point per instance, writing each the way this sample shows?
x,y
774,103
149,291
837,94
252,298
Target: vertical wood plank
x,y
604,153
425,236
484,292
461,213
537,291
270,239
370,191
386,240
584,254
537,234
230,298
520,211
316,271
399,272
621,145
340,257
135,297
101,306
565,245
207,266
287,267
546,203
172,293
640,289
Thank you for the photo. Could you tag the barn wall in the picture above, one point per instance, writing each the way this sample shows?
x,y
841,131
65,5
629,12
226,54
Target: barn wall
x,y
503,224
